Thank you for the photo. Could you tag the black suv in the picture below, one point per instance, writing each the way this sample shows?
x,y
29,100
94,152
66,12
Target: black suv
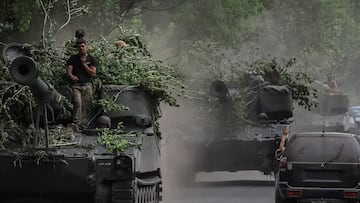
x,y
319,167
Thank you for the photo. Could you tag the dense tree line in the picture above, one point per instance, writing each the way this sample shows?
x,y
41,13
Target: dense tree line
x,y
321,34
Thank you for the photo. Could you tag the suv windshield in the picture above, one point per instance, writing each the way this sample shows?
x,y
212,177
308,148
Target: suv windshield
x,y
319,148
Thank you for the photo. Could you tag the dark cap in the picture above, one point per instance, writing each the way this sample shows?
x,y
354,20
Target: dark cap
x,y
79,34
104,120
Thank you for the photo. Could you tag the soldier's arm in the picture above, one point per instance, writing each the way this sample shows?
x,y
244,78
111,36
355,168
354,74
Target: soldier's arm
x,y
283,139
90,69
69,73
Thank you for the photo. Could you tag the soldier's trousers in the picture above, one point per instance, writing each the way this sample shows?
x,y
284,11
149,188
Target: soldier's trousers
x,y
82,103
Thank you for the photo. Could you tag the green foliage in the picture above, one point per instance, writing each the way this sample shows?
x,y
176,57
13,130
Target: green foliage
x,y
321,34
50,63
10,132
6,27
13,100
207,36
203,62
132,65
104,15
16,108
324,32
16,15
109,105
301,85
115,141
213,62
227,21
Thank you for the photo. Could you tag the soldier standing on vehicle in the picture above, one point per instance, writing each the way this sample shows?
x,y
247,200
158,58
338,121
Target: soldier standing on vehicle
x,y
81,68
331,84
271,74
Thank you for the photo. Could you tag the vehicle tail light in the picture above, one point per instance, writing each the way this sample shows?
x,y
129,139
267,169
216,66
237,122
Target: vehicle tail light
x,y
294,193
351,194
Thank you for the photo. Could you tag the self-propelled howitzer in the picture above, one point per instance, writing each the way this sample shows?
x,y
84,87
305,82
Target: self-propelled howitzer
x,y
79,166
234,143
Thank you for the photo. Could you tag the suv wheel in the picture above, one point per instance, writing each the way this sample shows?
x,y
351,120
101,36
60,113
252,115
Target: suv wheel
x,y
278,199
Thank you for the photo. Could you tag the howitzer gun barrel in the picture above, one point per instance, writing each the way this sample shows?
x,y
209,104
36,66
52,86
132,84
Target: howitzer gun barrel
x,y
24,71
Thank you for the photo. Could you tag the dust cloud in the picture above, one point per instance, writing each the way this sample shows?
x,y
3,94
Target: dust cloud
x,y
273,40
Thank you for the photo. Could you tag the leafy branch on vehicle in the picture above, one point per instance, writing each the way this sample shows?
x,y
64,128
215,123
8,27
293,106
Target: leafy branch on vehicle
x,y
116,141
